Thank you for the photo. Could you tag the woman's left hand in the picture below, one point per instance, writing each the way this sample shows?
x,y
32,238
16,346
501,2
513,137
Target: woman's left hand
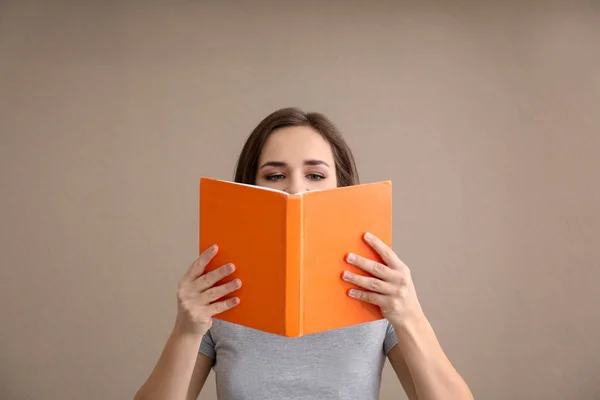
x,y
390,285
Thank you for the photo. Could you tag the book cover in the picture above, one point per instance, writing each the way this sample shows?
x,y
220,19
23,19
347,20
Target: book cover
x,y
289,251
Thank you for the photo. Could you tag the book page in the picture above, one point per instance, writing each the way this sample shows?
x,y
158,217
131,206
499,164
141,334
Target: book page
x,y
334,223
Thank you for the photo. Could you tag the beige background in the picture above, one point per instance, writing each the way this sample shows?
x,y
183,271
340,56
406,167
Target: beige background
x,y
486,116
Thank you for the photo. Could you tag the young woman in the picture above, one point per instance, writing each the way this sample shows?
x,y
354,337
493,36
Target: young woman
x,y
295,151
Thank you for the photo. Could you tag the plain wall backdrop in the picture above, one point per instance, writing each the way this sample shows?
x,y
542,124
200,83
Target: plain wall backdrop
x,y
485,115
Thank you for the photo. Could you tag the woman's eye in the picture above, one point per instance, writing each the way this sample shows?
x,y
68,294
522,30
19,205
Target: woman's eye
x,y
275,177
278,177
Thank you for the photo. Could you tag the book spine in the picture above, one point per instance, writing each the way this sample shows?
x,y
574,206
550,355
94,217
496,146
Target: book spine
x,y
293,270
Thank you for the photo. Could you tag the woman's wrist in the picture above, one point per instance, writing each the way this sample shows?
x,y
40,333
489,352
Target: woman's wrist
x,y
413,329
182,331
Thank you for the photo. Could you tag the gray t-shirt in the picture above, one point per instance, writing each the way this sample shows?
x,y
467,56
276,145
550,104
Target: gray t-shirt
x,y
343,363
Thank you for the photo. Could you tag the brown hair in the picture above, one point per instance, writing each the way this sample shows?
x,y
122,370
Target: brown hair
x,y
247,164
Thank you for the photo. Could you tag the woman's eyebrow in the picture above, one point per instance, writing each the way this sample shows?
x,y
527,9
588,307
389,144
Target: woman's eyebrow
x,y
283,164
315,162
273,164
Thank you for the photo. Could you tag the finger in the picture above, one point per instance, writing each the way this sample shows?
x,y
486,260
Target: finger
x,y
387,254
221,306
372,267
372,284
198,266
217,292
367,297
207,280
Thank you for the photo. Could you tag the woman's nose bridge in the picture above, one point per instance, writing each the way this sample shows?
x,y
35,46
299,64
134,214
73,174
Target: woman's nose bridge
x,y
295,184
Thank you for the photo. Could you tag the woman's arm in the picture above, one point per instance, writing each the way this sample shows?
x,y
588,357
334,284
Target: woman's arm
x,y
201,371
180,371
418,353
402,372
422,366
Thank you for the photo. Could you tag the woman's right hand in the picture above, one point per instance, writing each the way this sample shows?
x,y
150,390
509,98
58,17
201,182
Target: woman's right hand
x,y
197,295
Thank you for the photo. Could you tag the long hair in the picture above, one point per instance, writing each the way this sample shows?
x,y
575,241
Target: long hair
x,y
247,164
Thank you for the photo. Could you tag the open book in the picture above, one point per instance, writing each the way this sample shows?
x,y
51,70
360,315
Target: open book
x,y
289,251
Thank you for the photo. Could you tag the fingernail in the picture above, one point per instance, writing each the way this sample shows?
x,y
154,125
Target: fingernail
x,y
352,293
237,283
347,275
234,301
229,268
368,236
213,248
351,257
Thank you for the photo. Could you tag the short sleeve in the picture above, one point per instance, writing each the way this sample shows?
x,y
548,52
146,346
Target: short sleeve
x,y
390,338
207,346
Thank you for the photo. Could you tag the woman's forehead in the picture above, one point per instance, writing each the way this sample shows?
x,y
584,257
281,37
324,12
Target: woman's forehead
x,y
295,145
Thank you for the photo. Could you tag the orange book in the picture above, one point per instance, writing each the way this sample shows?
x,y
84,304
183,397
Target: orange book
x,y
289,251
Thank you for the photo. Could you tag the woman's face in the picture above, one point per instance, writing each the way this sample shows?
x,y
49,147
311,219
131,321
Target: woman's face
x,y
296,159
